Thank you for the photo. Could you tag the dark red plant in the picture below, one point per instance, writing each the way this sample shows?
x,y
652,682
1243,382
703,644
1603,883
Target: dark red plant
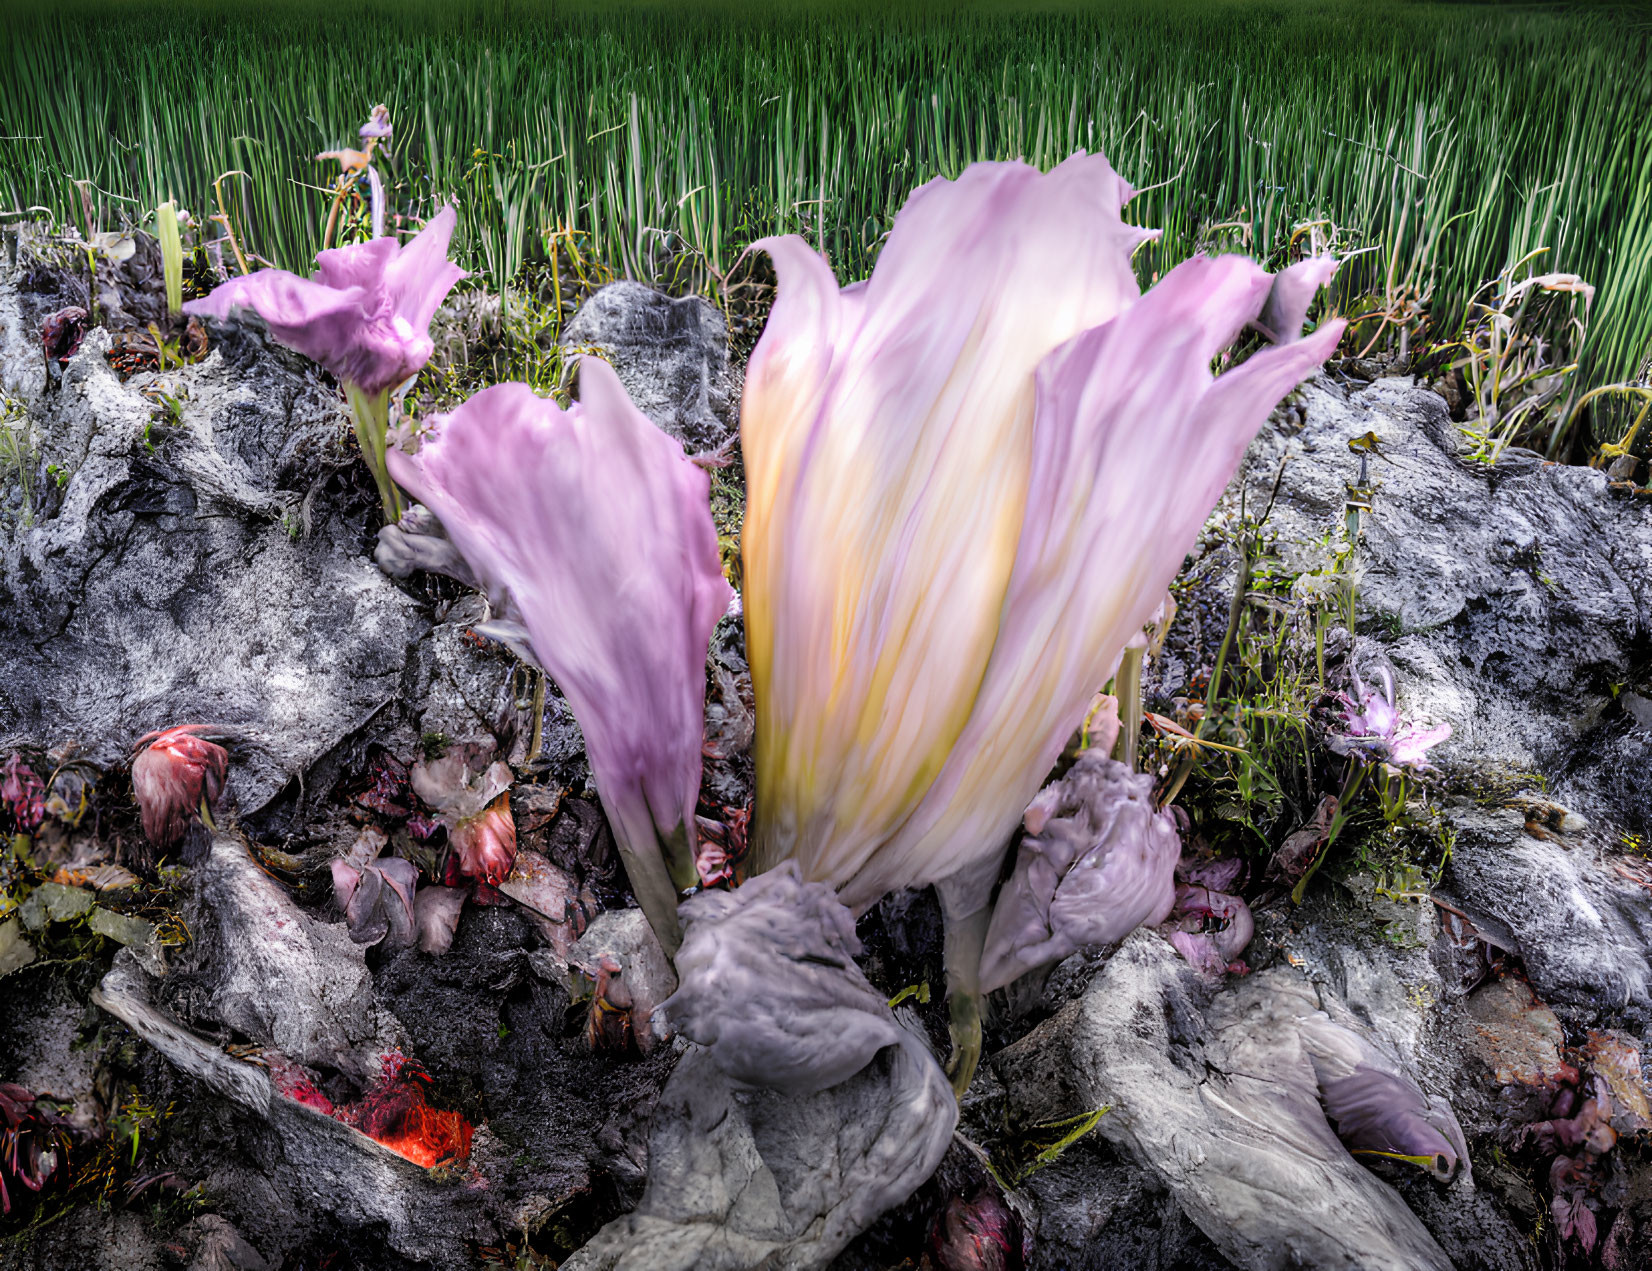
x,y
23,794
34,1142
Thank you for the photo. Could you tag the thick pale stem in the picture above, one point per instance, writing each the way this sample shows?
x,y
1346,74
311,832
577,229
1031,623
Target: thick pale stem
x,y
371,416
1127,688
654,863
966,937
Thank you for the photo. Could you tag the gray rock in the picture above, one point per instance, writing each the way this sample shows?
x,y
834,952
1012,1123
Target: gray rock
x,y
262,966
186,573
671,355
745,1179
1508,597
1219,1102
1584,933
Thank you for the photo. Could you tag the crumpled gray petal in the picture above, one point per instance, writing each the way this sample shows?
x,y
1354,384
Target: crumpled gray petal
x,y
1097,861
768,984
418,542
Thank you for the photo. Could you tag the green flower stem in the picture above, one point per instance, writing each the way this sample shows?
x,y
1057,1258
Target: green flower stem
x,y
371,415
964,938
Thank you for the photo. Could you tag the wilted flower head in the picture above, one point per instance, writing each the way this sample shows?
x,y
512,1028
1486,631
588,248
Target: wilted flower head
x,y
472,799
1097,862
978,1234
485,844
592,527
175,772
1209,925
364,314
34,1142
376,892
970,481
768,983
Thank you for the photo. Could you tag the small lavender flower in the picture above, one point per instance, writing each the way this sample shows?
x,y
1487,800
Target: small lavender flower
x,y
364,315
1367,723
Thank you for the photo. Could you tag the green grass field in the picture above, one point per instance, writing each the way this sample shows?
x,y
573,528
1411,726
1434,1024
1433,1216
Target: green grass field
x,y
1449,139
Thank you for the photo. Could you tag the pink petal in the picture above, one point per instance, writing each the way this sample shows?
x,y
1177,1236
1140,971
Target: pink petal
x,y
1133,444
345,879
597,528
1292,293
361,265
1411,745
312,317
420,275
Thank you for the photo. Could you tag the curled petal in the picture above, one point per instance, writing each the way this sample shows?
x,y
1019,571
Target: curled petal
x,y
1101,863
768,983
1292,292
593,527
420,275
418,542
172,773
436,913
380,905
1381,1112
1373,1106
346,877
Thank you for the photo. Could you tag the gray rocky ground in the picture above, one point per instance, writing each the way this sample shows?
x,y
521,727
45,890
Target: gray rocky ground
x,y
196,547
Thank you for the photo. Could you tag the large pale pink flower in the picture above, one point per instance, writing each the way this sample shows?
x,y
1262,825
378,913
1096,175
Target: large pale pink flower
x,y
592,527
970,480
365,312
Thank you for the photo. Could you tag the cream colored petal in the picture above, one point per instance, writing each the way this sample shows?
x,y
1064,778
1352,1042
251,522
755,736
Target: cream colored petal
x,y
885,509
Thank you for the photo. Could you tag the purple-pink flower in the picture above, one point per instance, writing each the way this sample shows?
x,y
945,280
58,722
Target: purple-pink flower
x,y
590,527
970,481
364,315
1366,722
365,312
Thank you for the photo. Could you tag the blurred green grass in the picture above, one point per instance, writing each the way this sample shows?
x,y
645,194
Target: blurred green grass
x,y
1449,138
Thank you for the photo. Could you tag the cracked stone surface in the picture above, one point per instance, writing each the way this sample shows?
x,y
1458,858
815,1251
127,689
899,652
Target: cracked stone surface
x,y
671,355
185,572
